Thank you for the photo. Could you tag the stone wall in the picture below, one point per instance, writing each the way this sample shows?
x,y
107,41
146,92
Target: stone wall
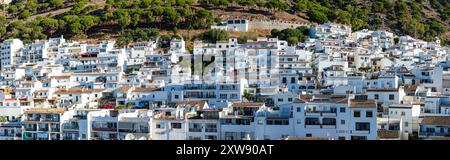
x,y
274,24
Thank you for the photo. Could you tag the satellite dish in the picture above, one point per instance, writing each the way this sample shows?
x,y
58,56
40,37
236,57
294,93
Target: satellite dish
x,y
129,136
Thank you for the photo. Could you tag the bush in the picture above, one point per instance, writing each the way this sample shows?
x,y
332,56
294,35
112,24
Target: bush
x,y
214,35
293,36
317,16
25,14
243,38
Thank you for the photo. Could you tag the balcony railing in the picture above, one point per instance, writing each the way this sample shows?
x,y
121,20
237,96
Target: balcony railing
x,y
55,129
71,127
134,130
211,130
360,131
434,134
313,126
195,130
104,129
328,126
33,119
49,120
10,135
320,113
30,128
312,113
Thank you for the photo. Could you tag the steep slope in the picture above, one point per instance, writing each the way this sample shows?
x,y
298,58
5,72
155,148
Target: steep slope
x,y
424,19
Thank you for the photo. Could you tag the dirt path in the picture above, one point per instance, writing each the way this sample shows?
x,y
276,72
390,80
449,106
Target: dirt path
x,y
50,13
99,3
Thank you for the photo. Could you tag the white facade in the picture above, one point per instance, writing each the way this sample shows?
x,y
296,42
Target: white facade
x,y
10,52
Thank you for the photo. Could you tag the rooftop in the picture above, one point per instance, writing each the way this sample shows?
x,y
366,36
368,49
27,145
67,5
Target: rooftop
x,y
370,103
191,103
45,110
145,90
248,104
77,91
319,98
387,134
436,120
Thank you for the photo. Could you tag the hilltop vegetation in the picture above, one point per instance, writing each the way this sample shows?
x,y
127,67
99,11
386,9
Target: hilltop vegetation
x,y
424,19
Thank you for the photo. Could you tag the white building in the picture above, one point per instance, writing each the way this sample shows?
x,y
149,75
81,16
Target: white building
x,y
233,25
10,52
435,127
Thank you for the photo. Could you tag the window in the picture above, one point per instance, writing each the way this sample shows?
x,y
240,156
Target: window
x,y
406,124
341,138
176,125
312,121
362,126
403,113
299,109
289,99
376,96
277,122
342,109
357,114
333,109
358,138
342,121
177,96
159,126
280,99
260,122
369,114
308,135
211,137
391,97
430,130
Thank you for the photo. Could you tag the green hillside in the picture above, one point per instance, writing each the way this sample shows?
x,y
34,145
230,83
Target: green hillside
x,y
138,19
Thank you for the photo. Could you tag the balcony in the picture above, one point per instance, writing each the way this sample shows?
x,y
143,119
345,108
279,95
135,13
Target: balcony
x,y
127,130
312,113
211,130
70,138
104,129
80,117
70,127
56,129
329,113
320,113
30,128
431,134
360,132
195,130
33,119
49,120
97,137
328,126
313,126
10,135
199,87
43,129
